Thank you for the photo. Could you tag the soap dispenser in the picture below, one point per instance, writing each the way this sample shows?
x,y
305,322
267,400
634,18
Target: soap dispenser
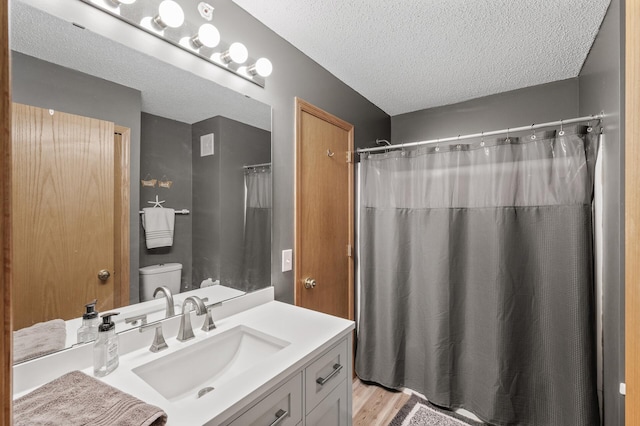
x,y
88,332
105,349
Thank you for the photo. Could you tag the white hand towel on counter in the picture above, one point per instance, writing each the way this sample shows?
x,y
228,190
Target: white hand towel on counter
x,y
158,224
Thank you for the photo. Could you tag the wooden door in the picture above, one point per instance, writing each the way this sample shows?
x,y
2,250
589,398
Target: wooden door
x,y
64,195
324,212
632,215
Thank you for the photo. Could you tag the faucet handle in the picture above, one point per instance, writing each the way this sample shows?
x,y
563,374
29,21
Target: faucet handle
x,y
208,324
158,341
134,320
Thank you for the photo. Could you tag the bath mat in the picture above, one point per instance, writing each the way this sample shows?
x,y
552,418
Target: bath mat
x,y
420,412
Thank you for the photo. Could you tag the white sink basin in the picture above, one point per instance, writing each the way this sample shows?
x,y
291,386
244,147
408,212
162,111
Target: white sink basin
x,y
201,368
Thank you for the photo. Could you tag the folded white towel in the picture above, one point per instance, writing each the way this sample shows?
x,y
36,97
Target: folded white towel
x,y
158,224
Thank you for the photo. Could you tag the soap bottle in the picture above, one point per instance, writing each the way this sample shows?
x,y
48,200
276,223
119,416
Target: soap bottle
x,y
88,332
105,349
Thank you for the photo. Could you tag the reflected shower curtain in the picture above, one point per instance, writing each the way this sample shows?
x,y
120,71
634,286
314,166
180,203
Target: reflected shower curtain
x,y
257,229
477,277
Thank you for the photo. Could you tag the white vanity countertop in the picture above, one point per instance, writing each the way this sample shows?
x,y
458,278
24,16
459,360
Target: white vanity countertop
x,y
216,293
308,332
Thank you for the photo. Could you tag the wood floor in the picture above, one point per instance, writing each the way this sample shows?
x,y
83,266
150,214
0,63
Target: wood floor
x,y
374,405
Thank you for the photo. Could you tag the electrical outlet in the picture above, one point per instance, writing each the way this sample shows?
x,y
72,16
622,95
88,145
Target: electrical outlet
x,y
287,259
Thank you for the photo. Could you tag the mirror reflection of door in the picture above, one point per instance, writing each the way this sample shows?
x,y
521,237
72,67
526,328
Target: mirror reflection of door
x,y
70,206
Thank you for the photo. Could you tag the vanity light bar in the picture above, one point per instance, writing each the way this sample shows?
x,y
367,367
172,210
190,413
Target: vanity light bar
x,y
183,29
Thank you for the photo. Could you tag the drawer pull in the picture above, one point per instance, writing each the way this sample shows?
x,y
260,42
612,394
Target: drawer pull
x,y
336,369
280,416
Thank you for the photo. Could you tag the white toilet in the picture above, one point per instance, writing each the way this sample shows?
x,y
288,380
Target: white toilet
x,y
154,276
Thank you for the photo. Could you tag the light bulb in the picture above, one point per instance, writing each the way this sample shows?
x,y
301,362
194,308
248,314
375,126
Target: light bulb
x,y
236,53
262,67
208,36
170,14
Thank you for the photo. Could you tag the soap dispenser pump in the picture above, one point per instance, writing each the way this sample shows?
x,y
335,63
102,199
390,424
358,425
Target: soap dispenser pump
x,y
88,332
105,350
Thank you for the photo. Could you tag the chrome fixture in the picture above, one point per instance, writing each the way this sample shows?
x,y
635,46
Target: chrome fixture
x,y
167,293
262,67
208,36
170,14
208,324
190,26
237,53
134,320
158,340
186,332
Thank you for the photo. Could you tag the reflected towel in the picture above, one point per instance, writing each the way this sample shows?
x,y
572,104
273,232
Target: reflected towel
x,y
78,399
39,339
158,226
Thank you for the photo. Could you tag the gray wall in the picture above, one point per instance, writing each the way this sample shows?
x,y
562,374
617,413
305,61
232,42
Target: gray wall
x,y
218,196
537,104
206,211
294,74
601,88
241,145
165,150
42,84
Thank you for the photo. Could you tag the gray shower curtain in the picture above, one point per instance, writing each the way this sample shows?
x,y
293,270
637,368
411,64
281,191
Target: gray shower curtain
x,y
257,229
477,276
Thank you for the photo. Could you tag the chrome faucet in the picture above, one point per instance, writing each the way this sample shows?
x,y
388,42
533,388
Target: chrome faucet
x,y
186,332
167,293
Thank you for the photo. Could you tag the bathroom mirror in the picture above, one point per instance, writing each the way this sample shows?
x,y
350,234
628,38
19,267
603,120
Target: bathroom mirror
x,y
198,147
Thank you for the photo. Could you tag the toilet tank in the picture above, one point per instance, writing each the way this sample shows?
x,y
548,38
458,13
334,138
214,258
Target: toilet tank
x,y
154,276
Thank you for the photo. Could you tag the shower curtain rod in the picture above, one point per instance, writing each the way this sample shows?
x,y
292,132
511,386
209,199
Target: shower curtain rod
x,y
255,166
479,135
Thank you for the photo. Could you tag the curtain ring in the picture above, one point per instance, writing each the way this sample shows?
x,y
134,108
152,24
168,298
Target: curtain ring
x,y
481,138
437,144
589,128
561,132
507,140
330,154
533,132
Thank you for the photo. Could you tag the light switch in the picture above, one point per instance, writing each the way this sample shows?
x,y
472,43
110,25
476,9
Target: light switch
x,y
287,258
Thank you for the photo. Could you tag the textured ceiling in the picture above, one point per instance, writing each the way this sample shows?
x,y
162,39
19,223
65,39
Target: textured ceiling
x,y
409,55
36,33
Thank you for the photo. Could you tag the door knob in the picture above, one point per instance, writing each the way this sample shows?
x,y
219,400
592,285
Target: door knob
x,y
103,275
309,283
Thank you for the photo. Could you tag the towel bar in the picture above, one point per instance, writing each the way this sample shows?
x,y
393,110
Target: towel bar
x,y
183,211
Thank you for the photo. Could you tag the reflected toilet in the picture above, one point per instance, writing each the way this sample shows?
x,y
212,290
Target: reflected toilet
x,y
154,276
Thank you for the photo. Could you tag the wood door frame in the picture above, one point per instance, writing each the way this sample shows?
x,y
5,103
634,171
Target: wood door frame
x,y
122,179
5,226
632,214
300,107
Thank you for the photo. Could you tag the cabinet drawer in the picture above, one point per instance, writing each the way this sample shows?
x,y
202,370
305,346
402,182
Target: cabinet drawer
x,y
283,403
333,410
324,374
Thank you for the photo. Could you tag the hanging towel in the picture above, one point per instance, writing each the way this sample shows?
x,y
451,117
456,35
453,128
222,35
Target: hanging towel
x,y
79,399
40,339
158,226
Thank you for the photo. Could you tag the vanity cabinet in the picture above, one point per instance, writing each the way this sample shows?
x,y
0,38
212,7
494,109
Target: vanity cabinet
x,y
318,394
280,407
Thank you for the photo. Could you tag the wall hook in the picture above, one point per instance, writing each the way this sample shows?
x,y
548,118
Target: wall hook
x,y
330,154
